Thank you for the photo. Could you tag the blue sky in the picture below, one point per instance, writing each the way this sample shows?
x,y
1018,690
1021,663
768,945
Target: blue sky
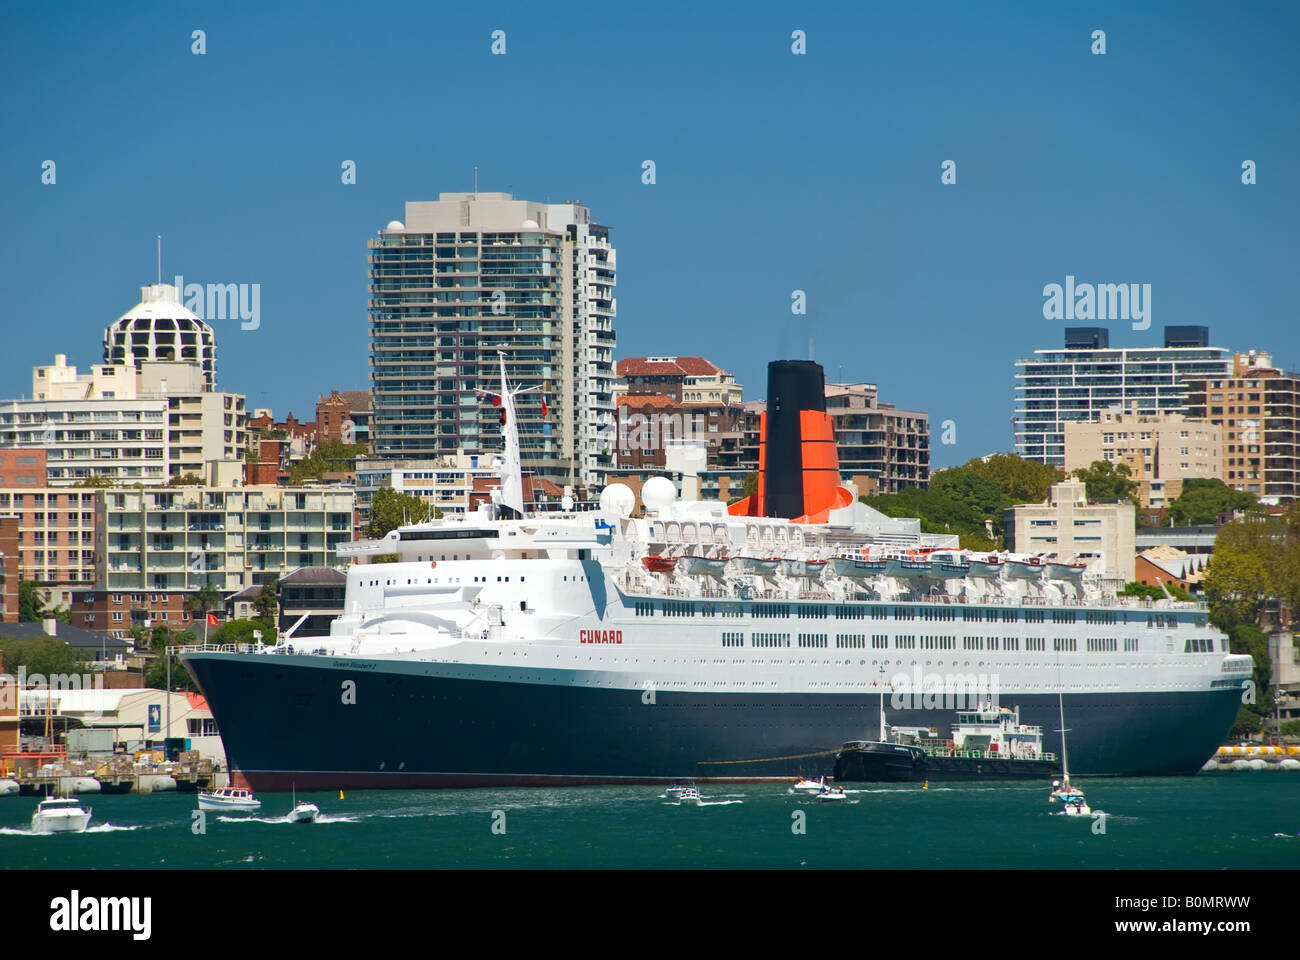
x,y
775,172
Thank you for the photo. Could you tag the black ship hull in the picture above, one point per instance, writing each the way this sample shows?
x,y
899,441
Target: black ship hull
x,y
290,720
877,762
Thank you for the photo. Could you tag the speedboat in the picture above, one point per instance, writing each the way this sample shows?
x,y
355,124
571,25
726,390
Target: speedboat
x,y
304,813
60,815
674,791
832,795
809,786
229,799
690,796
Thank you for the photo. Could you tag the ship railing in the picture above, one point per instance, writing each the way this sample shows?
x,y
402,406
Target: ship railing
x,y
219,648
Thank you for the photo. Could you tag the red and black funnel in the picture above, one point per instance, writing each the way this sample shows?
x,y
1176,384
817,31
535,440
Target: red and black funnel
x,y
798,469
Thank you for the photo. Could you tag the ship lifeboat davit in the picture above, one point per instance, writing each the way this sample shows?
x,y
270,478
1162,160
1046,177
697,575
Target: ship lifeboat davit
x,y
659,564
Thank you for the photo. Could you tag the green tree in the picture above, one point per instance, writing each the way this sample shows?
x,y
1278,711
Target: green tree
x,y
155,675
188,480
45,655
1021,480
390,509
94,482
1147,591
31,605
241,631
325,457
1203,500
200,601
265,603
1106,481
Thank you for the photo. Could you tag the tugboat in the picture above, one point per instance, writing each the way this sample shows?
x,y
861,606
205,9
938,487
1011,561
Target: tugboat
x,y
989,743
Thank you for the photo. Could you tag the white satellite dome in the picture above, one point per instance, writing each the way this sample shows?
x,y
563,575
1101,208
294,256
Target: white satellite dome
x,y
658,493
531,225
395,225
618,499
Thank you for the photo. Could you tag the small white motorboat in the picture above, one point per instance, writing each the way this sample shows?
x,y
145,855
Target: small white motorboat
x,y
60,815
9,788
303,812
809,786
832,795
229,800
674,790
690,796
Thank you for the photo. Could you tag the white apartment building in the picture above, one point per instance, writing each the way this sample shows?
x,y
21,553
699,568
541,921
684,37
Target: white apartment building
x,y
1069,529
1089,376
126,424
472,274
181,539
445,483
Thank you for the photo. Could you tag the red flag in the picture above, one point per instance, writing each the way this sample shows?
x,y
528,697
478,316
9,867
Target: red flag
x,y
496,401
212,620
545,408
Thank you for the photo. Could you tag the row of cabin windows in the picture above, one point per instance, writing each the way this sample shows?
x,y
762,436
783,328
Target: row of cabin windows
x,y
770,639
880,641
675,608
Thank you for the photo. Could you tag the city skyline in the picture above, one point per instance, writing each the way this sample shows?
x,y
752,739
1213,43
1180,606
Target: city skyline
x,y
774,172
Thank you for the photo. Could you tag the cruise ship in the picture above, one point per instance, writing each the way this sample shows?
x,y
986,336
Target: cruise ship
x,y
698,640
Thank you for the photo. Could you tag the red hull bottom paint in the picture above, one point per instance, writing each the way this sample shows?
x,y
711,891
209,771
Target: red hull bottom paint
x,y
266,781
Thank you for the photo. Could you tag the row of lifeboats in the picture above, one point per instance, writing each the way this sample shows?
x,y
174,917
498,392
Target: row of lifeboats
x,y
912,564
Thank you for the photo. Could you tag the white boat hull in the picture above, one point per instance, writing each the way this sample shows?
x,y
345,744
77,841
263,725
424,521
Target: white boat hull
x,y
304,813
233,806
61,822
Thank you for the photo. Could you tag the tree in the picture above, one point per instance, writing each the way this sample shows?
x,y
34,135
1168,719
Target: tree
x,y
1106,481
95,482
1203,500
32,608
202,600
390,509
44,655
1021,480
1150,592
241,631
156,675
327,456
265,603
188,480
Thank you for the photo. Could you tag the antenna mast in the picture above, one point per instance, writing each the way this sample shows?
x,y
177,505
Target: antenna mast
x,y
159,258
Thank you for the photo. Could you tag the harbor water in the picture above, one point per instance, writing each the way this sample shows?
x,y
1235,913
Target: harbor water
x,y
1233,820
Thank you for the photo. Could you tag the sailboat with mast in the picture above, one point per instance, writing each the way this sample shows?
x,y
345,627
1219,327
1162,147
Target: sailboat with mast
x,y
1070,796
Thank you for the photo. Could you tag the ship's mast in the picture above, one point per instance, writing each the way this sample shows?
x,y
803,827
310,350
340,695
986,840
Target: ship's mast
x,y
512,484
1065,757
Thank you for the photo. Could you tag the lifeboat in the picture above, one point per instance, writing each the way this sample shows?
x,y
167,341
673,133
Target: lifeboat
x,y
659,564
